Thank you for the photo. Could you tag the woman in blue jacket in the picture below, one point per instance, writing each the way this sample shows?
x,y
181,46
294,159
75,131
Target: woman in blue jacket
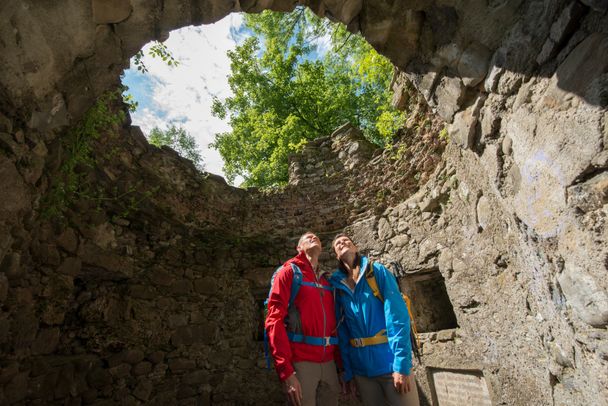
x,y
374,334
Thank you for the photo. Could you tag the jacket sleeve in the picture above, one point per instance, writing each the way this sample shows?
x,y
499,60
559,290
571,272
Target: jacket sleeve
x,y
397,320
275,322
343,341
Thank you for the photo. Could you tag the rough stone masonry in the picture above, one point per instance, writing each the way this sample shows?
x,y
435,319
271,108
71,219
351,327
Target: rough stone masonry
x,y
146,289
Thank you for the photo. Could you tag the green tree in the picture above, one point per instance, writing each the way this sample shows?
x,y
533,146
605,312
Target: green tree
x,y
286,93
179,140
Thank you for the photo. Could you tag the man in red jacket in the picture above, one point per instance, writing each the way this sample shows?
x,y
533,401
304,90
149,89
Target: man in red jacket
x,y
303,345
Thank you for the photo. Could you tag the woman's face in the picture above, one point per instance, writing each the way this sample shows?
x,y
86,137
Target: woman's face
x,y
343,245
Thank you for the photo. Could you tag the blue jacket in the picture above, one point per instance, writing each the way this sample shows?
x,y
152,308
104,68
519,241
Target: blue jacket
x,y
364,315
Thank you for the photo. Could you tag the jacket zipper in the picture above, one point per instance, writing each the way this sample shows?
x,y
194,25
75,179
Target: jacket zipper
x,y
320,289
353,294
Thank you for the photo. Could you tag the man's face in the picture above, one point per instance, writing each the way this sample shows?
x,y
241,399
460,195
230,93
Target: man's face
x,y
308,242
343,245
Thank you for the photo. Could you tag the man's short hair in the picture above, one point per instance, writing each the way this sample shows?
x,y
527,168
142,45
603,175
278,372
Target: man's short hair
x,y
302,237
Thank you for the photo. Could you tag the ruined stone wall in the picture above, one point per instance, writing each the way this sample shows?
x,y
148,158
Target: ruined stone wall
x,y
108,301
149,286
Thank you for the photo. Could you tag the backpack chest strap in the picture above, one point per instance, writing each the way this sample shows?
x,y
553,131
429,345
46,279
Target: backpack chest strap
x,y
320,341
316,285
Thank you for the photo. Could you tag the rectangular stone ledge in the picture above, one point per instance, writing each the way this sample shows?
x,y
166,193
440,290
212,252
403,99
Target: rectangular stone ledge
x,y
439,336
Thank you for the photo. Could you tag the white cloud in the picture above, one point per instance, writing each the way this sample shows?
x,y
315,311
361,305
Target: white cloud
x,y
184,94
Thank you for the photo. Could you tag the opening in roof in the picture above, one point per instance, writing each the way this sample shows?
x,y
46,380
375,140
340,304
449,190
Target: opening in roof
x,y
239,96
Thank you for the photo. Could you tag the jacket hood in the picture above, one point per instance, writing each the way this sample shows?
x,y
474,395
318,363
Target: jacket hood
x,y
301,260
339,275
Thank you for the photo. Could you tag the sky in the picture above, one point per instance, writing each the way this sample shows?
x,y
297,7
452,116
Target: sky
x,y
183,95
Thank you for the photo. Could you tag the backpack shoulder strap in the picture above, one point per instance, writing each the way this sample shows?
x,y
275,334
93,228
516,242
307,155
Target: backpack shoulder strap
x,y
370,277
296,282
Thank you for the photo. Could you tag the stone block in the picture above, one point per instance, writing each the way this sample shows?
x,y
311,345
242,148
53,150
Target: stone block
x,y
143,390
463,130
120,371
99,377
182,336
34,170
473,64
9,372
11,266
160,277
133,356
220,357
89,396
106,264
70,266
484,212
142,292
588,61
46,342
156,357
181,287
8,143
562,28
446,335
180,364
197,378
448,97
385,231
68,240
47,253
110,11
206,286
507,146
16,390
447,55
142,368
586,297
6,125
198,317
185,392
400,240
177,320
589,195
3,287
24,327
65,381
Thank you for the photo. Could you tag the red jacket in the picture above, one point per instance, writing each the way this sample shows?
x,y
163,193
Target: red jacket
x,y
316,308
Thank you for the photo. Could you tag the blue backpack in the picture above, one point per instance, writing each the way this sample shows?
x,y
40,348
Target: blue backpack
x,y
295,337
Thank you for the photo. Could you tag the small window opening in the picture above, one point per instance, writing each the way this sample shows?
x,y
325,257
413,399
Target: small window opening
x,y
431,304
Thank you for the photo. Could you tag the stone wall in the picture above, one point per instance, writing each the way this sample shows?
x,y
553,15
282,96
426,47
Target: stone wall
x,y
149,288
105,307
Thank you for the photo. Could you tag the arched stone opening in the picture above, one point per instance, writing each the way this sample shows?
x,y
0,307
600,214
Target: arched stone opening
x,y
513,217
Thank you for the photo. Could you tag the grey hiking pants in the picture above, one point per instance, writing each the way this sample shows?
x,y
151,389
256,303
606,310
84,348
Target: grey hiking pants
x,y
379,390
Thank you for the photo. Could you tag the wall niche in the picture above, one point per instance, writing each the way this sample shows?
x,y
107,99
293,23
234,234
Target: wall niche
x,y
431,304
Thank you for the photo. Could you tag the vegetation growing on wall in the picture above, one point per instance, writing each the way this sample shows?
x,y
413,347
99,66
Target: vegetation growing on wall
x,y
287,91
75,180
